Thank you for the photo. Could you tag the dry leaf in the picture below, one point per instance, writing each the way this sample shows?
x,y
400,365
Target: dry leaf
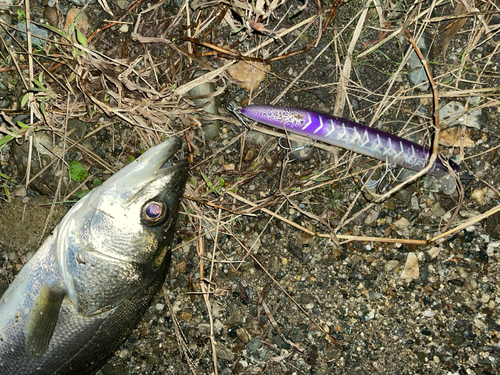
x,y
259,7
83,21
451,137
257,26
249,74
454,27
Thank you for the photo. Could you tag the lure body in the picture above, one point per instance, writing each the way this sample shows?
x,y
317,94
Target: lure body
x,y
349,135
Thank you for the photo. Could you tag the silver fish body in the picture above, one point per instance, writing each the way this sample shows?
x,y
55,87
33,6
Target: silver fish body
x,y
88,285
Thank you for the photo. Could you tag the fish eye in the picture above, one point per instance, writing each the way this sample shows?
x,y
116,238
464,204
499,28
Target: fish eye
x,y
153,213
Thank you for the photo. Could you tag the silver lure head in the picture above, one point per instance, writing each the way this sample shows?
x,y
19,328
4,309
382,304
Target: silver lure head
x,y
117,239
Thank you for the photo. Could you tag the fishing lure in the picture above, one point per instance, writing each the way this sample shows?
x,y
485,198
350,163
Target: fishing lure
x,y
343,133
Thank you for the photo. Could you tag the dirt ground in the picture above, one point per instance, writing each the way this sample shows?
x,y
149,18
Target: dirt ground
x,y
285,296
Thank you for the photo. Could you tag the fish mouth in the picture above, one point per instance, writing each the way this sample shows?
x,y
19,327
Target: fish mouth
x,y
171,164
161,157
165,169
155,163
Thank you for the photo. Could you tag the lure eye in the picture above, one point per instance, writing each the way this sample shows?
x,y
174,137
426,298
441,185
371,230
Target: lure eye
x,y
153,213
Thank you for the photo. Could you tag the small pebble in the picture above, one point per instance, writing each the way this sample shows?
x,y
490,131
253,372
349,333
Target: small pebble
x,y
402,223
305,238
186,316
411,271
433,252
20,191
478,195
428,313
390,265
370,219
181,267
438,210
243,335
223,352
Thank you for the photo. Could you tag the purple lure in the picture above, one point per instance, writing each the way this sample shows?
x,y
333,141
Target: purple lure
x,y
349,135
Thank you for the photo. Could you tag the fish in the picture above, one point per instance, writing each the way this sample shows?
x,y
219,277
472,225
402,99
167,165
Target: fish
x,y
86,288
350,135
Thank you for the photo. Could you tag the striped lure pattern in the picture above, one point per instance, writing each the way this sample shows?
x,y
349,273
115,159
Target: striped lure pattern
x,y
349,135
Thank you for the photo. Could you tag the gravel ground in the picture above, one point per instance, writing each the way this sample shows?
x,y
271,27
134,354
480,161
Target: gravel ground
x,y
287,302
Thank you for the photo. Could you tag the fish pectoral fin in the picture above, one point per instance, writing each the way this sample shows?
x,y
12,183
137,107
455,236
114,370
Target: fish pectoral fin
x,y
42,320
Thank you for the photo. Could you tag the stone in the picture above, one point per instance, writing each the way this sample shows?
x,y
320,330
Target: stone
x,y
453,114
243,335
212,127
44,152
223,352
438,210
35,31
390,265
401,223
371,218
416,72
411,270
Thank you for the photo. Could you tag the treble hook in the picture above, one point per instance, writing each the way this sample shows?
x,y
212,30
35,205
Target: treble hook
x,y
235,109
389,167
312,142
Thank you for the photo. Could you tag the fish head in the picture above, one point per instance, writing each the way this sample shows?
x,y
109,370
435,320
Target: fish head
x,y
117,239
137,207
